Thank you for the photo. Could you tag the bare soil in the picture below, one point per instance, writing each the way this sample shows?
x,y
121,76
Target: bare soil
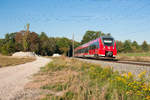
x,y
13,79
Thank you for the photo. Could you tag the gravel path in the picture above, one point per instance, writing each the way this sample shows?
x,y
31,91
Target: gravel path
x,y
135,69
13,79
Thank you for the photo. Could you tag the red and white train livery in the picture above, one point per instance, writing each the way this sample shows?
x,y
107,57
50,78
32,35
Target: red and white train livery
x,y
104,46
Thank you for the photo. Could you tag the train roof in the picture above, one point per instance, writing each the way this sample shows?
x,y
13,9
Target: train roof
x,y
90,42
97,39
106,37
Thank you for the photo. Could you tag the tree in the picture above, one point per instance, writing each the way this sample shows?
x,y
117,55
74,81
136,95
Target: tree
x,y
76,44
34,41
119,46
8,45
63,44
53,45
19,37
31,41
10,36
47,45
145,46
19,41
91,35
135,46
43,44
26,43
127,46
2,42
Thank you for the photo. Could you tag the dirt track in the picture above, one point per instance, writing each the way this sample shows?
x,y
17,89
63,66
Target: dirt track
x,y
13,79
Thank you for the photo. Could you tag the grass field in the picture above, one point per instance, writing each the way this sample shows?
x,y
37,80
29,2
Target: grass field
x,y
70,79
143,56
11,61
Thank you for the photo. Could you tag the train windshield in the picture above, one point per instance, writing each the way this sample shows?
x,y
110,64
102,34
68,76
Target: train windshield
x,y
108,41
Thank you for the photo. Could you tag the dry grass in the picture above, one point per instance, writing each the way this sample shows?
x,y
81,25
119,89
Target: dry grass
x,y
143,57
67,79
70,79
11,61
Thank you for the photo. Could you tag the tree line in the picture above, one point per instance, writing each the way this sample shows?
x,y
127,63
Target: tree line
x,y
130,47
43,45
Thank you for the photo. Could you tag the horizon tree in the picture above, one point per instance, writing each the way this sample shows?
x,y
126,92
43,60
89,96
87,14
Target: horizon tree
x,y
127,47
91,35
145,46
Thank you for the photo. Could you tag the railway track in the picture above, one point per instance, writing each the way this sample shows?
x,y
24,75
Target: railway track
x,y
134,63
122,61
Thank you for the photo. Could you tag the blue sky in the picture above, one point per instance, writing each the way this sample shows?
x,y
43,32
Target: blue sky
x,y
124,19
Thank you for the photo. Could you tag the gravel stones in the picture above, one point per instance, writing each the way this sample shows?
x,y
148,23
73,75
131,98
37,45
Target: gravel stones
x,y
24,54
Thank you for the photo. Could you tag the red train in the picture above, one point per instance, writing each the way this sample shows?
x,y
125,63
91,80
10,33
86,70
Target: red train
x,y
104,46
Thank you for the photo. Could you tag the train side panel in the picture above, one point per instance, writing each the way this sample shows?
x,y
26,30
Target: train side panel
x,y
101,47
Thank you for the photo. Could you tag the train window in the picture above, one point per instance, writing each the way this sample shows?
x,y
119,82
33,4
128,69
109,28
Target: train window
x,y
97,44
90,47
108,41
83,50
94,46
86,49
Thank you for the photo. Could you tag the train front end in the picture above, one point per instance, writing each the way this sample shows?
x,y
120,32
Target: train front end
x,y
108,47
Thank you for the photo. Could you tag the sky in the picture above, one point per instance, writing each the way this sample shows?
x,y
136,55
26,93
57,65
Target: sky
x,y
124,19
